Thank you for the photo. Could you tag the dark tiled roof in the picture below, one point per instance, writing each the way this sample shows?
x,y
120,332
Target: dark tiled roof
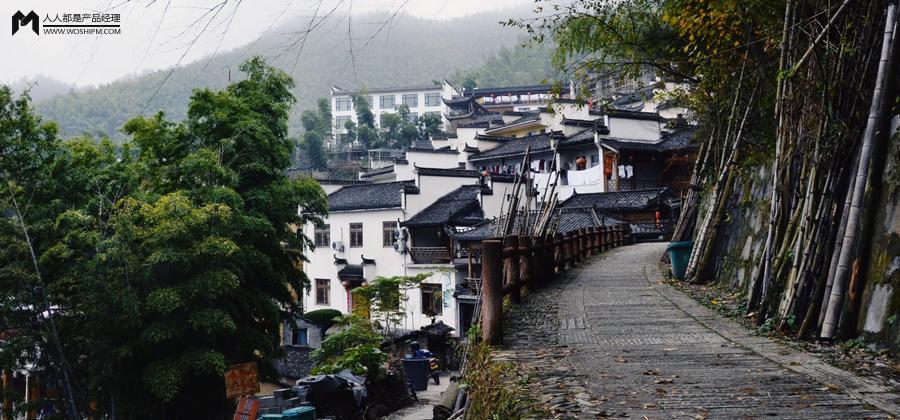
x,y
577,139
369,196
351,270
678,140
483,121
488,137
380,171
460,207
508,90
339,91
421,145
525,119
296,362
632,146
451,172
574,219
631,115
618,201
459,100
330,181
564,220
444,150
597,125
515,147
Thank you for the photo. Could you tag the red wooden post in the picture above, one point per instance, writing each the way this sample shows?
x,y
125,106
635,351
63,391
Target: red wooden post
x,y
492,292
526,265
511,268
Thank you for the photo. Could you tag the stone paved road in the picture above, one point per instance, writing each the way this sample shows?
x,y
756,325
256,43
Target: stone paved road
x,y
612,340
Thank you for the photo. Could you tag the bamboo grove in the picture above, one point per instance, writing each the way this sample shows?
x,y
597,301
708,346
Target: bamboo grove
x,y
802,89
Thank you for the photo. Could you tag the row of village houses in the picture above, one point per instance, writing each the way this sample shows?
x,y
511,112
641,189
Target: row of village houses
x,y
426,210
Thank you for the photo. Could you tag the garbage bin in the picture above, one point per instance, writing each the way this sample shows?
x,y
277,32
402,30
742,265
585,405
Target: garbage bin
x,y
305,412
679,254
417,371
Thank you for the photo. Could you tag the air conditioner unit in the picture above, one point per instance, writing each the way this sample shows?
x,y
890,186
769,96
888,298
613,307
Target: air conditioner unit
x,y
337,246
401,234
400,247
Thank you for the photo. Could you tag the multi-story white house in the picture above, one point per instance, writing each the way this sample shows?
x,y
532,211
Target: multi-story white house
x,y
421,100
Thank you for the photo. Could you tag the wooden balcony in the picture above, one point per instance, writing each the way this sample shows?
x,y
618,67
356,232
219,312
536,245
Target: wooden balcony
x,y
430,255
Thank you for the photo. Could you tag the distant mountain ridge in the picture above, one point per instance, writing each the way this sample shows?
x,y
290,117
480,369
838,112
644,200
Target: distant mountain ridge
x,y
409,51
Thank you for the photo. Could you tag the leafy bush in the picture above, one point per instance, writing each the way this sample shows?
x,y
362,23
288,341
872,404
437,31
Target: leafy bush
x,y
354,347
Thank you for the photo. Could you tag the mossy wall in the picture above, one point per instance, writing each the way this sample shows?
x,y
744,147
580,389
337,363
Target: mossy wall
x,y
741,241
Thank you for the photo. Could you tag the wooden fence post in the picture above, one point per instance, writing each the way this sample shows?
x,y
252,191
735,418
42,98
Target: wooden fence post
x,y
526,265
595,233
569,249
559,252
511,268
585,243
492,292
538,261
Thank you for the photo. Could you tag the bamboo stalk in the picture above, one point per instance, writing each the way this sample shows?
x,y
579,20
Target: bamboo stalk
x,y
836,298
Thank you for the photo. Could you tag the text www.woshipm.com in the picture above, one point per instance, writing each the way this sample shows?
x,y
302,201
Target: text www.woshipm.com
x,y
82,31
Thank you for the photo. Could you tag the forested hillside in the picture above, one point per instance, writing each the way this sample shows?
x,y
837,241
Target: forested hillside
x,y
408,51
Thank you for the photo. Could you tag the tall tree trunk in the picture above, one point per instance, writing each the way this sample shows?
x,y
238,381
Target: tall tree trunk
x,y
873,125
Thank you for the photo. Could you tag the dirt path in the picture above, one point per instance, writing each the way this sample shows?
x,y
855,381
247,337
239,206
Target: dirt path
x,y
611,339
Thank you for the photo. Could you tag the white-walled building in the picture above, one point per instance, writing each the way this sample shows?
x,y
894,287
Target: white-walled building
x,y
421,100
449,189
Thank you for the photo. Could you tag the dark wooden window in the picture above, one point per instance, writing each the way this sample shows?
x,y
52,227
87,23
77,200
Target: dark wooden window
x,y
356,235
387,233
323,289
432,299
322,236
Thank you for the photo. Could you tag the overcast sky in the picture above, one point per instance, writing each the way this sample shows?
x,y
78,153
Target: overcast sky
x,y
150,42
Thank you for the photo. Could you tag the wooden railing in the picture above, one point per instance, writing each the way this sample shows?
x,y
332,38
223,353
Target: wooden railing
x,y
632,184
515,262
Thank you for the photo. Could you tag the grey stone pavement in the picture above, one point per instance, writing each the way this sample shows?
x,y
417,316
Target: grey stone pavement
x,y
612,340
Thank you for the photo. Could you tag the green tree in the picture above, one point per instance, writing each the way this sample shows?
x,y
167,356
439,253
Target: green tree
x,y
168,258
